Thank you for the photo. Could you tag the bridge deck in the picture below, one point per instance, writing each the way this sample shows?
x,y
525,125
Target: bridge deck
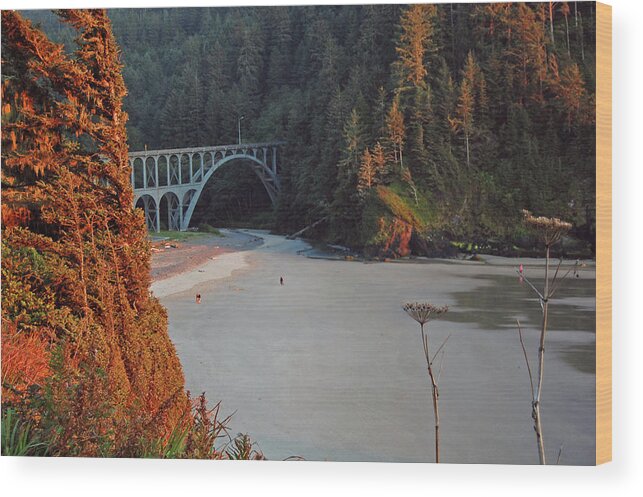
x,y
175,151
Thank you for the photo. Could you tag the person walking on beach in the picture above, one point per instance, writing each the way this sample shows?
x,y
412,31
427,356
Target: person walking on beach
x,y
198,298
281,281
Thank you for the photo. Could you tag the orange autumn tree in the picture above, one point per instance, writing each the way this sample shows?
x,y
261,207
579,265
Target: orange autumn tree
x,y
103,375
417,32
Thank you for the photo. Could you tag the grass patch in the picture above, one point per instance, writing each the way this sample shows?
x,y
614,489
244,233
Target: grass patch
x,y
206,228
398,199
398,207
18,438
394,200
182,236
177,236
260,221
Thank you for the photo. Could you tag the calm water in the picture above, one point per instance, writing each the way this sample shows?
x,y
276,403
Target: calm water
x,y
501,299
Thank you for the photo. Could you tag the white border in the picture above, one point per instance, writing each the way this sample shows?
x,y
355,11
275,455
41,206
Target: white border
x,y
68,477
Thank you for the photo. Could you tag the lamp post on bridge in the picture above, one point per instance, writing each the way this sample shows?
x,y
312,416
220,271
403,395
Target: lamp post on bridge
x,y
241,118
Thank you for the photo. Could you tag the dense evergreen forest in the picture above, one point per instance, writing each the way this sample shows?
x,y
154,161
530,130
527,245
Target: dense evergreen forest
x,y
408,127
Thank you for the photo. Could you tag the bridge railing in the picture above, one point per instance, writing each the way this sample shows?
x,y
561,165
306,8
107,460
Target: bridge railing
x,y
173,151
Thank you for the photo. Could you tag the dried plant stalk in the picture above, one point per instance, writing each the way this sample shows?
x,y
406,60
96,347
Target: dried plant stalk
x,y
422,312
551,230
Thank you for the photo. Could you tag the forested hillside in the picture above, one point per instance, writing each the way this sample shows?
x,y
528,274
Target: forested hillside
x,y
406,125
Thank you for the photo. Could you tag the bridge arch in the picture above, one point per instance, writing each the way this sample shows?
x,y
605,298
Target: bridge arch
x,y
208,161
163,171
170,211
175,170
139,173
184,173
148,204
150,172
196,170
261,170
191,196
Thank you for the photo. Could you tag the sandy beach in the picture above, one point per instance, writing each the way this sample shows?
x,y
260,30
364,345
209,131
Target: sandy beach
x,y
328,366
176,263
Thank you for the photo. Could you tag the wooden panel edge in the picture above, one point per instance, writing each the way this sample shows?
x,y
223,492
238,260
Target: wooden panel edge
x,y
603,233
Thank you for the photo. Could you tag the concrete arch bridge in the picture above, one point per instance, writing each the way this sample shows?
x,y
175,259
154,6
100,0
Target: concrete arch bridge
x,y
168,183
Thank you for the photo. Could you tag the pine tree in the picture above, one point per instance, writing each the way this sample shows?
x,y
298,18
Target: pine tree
x,y
379,162
345,208
219,114
464,115
482,108
463,120
367,172
571,94
551,6
414,41
279,46
380,112
249,65
396,132
565,10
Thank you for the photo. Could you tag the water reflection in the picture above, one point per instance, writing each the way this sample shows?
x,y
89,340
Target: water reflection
x,y
500,300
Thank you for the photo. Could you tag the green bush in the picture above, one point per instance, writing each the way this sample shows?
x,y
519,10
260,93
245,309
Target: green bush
x,y
206,228
18,437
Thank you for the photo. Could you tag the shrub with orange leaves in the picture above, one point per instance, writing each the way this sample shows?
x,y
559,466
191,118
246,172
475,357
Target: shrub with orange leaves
x,y
394,238
25,361
76,259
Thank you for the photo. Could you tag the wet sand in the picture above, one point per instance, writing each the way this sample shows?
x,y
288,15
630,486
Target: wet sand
x,y
329,367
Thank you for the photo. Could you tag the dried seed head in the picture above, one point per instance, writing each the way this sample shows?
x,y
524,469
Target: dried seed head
x,y
422,311
550,228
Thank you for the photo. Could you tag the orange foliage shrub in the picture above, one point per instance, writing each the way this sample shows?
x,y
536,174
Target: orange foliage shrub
x,y
25,361
396,238
76,259
393,223
15,216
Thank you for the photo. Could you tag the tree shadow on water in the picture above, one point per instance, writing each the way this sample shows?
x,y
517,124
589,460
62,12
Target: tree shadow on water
x,y
500,300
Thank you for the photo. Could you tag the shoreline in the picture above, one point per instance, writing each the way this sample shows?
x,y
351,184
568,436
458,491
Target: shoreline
x,y
217,268
208,258
198,261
